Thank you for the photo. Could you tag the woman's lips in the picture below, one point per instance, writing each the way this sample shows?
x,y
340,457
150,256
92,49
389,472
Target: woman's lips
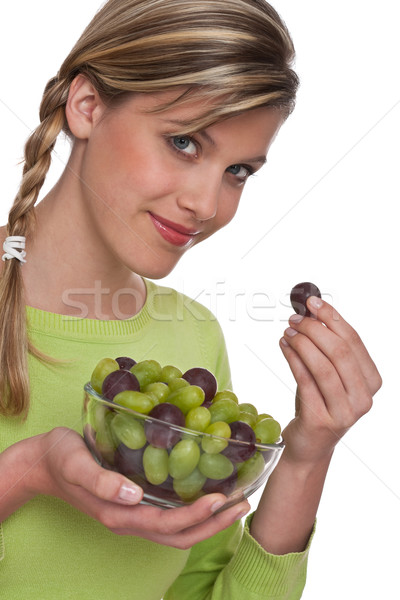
x,y
175,234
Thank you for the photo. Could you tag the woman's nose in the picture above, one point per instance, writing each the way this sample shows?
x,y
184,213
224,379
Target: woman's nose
x,y
201,196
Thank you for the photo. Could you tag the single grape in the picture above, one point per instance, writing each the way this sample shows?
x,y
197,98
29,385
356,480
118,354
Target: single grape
x,y
105,440
222,486
267,431
136,401
249,408
262,416
204,379
186,398
240,432
213,445
155,463
175,383
100,372
189,487
119,381
248,418
146,371
170,372
226,394
225,409
198,418
161,435
183,458
164,490
129,462
125,362
128,430
215,466
250,470
299,296
158,390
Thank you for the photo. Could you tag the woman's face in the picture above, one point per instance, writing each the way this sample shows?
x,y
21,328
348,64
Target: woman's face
x,y
151,194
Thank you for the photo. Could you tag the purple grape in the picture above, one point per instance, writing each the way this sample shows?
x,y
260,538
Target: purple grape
x,y
299,296
203,379
129,462
161,435
240,432
222,486
125,362
119,381
165,490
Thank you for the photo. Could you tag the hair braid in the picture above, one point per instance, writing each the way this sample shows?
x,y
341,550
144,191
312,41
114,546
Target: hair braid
x,y
14,343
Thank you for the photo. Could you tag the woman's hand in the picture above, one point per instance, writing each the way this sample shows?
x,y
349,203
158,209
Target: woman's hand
x,y
66,469
336,381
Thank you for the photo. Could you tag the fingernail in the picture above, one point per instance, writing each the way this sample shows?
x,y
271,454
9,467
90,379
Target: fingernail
x,y
218,504
296,318
129,494
284,342
315,302
242,514
291,332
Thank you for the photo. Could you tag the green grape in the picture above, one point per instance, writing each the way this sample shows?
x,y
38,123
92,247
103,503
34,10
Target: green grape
x,y
225,409
213,445
105,440
136,401
225,394
103,368
267,431
186,398
158,390
183,458
248,418
215,466
155,464
190,486
176,383
129,431
262,416
250,470
169,372
198,418
249,408
96,414
146,371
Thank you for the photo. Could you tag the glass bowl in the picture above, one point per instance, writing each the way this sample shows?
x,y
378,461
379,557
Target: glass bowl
x,y
187,465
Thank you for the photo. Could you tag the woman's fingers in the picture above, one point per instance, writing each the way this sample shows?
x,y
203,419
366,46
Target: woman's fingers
x,y
332,363
325,313
181,527
114,500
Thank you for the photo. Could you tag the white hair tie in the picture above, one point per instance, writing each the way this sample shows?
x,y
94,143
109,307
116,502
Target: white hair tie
x,y
14,247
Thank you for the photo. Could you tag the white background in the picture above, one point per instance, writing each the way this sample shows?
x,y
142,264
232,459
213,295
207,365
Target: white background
x,y
324,209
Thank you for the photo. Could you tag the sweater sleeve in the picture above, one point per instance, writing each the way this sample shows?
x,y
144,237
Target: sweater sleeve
x,y
233,565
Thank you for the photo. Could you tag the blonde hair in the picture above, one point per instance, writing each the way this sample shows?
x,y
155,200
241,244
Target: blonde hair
x,y
236,54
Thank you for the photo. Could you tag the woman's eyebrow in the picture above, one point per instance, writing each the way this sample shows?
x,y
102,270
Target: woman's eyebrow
x,y
262,159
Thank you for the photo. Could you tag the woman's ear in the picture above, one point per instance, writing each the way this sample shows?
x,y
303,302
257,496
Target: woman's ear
x,y
84,107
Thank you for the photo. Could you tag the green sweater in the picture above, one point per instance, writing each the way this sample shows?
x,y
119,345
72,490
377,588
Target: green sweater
x,y
49,550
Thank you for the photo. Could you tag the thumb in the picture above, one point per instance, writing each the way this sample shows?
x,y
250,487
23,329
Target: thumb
x,y
112,486
85,472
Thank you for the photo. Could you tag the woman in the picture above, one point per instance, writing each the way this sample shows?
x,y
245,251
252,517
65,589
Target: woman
x,y
170,105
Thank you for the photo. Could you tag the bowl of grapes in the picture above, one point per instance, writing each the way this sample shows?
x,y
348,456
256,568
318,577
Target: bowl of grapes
x,y
174,434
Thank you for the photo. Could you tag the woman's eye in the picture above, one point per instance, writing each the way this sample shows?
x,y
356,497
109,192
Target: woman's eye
x,y
185,144
240,171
